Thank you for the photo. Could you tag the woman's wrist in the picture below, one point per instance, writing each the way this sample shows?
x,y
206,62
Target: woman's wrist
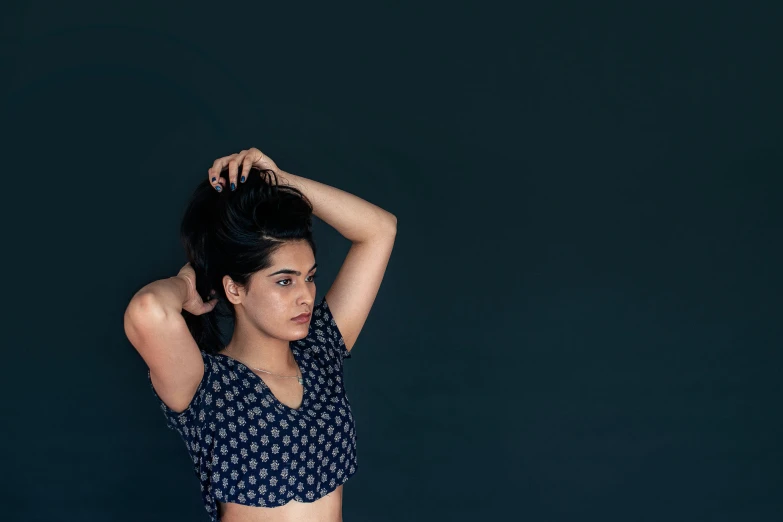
x,y
182,290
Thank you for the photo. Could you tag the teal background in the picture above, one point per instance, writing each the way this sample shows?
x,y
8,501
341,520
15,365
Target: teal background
x,y
581,317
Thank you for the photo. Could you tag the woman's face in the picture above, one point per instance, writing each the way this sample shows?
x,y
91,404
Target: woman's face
x,y
281,292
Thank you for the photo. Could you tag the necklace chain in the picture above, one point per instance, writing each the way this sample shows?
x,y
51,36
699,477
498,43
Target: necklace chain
x,y
298,377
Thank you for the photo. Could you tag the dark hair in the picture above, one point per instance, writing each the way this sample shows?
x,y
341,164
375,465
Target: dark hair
x,y
235,233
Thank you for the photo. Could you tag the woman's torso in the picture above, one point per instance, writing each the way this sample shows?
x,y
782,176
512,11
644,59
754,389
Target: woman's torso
x,y
326,509
272,450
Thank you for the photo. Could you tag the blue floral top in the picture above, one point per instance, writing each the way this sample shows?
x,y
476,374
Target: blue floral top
x,y
249,448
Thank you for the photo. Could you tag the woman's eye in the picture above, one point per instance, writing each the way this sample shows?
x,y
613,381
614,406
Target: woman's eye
x,y
284,280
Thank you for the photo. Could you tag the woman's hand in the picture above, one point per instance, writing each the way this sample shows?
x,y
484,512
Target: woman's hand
x,y
194,304
248,159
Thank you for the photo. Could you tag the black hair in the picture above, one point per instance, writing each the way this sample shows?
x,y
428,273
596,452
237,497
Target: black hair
x,y
235,233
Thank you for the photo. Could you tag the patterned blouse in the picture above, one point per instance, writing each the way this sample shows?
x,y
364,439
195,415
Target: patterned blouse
x,y
249,448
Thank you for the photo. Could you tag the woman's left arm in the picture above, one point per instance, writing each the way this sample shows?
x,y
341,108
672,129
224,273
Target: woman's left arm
x,y
372,232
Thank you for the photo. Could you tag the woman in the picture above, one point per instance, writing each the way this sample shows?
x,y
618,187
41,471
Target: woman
x,y
264,417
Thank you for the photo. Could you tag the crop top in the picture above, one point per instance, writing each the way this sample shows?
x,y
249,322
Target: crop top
x,y
249,448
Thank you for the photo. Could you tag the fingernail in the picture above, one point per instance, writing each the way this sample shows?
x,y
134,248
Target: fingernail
x,y
218,188
213,179
242,179
233,186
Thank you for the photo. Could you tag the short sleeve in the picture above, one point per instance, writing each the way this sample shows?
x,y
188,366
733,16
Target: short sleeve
x,y
324,322
195,410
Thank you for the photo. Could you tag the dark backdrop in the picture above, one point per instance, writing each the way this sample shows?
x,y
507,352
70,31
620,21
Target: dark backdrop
x,y
581,316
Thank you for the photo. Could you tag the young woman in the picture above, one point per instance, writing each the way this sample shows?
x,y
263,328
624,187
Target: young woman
x,y
264,417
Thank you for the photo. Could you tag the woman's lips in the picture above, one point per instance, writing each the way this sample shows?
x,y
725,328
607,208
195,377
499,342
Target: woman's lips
x,y
303,318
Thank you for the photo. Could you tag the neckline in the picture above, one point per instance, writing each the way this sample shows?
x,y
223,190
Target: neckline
x,y
304,378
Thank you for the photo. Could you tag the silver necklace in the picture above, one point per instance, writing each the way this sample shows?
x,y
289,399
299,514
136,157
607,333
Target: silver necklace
x,y
298,377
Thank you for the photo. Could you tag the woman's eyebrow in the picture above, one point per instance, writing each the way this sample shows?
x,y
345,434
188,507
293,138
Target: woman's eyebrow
x,y
289,271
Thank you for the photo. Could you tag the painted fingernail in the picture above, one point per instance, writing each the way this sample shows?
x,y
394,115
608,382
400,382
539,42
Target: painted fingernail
x,y
242,179
233,187
213,179
219,188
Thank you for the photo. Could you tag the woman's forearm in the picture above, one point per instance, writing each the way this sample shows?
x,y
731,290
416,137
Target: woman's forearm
x,y
164,296
354,218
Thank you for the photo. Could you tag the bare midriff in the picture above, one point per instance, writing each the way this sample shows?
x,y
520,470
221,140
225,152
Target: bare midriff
x,y
328,508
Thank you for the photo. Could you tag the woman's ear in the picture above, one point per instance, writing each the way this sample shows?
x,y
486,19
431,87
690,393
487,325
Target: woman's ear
x,y
234,292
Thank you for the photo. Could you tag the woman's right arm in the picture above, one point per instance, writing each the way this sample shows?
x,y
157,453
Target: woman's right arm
x,y
155,327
